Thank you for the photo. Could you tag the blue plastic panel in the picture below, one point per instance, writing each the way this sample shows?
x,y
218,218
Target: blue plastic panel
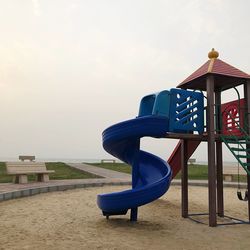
x,y
186,111
162,102
147,105
155,104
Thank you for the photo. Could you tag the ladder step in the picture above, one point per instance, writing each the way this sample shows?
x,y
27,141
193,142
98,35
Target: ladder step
x,y
238,138
237,142
239,149
243,156
243,143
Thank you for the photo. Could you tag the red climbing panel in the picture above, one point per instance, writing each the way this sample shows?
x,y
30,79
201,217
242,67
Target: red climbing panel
x,y
233,117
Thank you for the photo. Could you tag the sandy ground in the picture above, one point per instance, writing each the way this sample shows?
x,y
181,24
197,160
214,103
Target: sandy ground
x,y
71,220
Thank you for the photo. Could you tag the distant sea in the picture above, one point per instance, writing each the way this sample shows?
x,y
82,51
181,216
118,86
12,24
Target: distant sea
x,y
73,160
79,160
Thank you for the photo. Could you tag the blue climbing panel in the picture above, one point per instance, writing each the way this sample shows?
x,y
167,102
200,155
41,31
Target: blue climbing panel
x,y
155,104
147,105
186,112
162,102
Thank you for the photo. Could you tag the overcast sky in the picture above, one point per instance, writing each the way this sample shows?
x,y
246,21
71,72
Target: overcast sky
x,y
69,69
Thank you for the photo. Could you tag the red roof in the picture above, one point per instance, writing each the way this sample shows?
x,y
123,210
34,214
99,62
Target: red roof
x,y
223,68
213,66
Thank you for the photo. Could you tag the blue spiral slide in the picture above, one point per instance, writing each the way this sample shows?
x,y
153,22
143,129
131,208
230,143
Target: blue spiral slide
x,y
151,176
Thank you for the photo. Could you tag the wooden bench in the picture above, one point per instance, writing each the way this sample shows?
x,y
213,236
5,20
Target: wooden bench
x,y
21,170
229,172
191,161
27,157
108,160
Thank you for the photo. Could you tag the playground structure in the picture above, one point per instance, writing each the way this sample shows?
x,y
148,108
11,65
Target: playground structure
x,y
179,114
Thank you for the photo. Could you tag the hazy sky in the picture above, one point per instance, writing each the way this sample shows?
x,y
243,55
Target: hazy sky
x,y
69,69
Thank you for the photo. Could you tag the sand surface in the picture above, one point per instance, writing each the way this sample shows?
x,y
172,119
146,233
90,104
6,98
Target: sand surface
x,y
71,220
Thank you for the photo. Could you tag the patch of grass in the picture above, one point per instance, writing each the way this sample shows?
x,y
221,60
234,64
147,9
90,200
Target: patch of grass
x,y
195,171
3,176
62,172
120,167
200,172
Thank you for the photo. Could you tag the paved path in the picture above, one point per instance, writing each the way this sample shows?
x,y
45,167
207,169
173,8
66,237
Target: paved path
x,y
106,173
10,190
8,187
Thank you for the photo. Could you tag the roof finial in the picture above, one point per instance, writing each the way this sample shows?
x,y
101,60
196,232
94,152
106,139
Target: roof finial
x,y
213,54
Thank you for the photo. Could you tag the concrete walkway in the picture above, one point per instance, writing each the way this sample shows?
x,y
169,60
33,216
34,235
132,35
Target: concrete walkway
x,y
106,173
11,191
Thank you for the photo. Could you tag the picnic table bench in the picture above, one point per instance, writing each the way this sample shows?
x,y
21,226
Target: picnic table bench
x,y
21,170
27,157
108,160
191,161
